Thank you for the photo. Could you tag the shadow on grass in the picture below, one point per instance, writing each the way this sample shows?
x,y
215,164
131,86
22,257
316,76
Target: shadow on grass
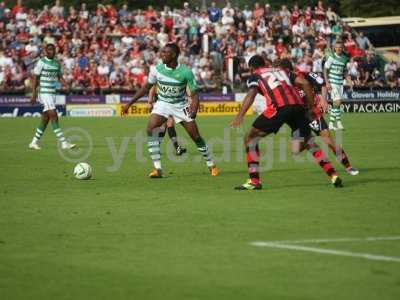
x,y
373,169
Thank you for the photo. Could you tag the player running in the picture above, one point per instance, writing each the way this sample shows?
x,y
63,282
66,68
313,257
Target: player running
x,y
46,75
334,69
172,79
168,126
283,106
318,123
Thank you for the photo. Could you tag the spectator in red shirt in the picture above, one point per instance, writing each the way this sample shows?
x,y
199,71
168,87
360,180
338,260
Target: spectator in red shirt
x,y
169,22
350,45
258,12
296,13
308,15
17,8
280,48
23,36
150,13
320,13
102,82
321,41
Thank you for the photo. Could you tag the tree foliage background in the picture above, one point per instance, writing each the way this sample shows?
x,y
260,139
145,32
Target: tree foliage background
x,y
345,8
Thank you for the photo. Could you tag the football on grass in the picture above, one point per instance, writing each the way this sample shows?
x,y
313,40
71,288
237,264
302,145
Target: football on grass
x,y
83,171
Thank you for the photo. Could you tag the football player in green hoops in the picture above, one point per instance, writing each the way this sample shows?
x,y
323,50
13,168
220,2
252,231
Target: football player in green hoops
x,y
46,75
168,126
172,79
334,69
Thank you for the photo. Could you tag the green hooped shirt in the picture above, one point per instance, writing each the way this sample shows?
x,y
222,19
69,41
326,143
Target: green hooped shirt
x,y
336,66
48,71
172,83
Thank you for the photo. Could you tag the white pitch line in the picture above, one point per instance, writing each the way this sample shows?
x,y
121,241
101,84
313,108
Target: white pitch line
x,y
338,240
327,251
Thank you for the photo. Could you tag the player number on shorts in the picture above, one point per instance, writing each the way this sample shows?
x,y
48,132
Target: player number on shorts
x,y
186,111
314,125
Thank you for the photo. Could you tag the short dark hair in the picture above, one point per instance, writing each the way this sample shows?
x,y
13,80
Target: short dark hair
x,y
50,45
174,48
339,42
286,64
256,61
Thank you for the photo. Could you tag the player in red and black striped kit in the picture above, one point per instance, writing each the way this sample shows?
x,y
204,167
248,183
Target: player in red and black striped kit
x,y
317,123
283,106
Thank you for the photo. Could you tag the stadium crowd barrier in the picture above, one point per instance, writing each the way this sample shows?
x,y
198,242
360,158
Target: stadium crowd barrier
x,y
358,101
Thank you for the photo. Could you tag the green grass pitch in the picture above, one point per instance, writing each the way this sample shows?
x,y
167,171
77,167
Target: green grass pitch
x,y
122,235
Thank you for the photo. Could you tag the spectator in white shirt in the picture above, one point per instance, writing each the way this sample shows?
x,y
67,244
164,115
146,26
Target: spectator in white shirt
x,y
57,9
363,42
247,13
49,39
5,61
228,8
220,29
285,14
390,69
162,37
261,28
331,15
352,70
30,47
21,18
227,20
299,29
2,77
127,40
203,19
103,68
317,64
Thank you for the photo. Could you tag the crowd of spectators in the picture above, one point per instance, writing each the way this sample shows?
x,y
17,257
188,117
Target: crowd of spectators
x,y
111,49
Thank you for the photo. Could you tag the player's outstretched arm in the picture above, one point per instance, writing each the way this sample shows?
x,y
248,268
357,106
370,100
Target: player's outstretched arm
x,y
140,93
247,102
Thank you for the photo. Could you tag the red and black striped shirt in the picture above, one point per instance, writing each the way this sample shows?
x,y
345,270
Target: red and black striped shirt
x,y
276,87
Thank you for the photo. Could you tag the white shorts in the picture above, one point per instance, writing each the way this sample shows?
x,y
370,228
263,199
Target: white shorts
x,y
336,92
48,101
178,111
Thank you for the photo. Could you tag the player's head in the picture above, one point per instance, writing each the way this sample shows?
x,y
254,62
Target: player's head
x,y
286,64
50,51
256,62
339,47
170,53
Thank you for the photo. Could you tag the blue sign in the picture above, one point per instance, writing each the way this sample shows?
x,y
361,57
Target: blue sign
x,y
27,111
370,95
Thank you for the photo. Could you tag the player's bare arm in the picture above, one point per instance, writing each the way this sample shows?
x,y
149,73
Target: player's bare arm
x,y
152,97
64,83
140,93
35,82
247,102
308,90
324,97
326,77
194,105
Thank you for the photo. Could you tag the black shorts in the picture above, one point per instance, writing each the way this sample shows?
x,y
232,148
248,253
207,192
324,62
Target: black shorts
x,y
292,115
318,125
